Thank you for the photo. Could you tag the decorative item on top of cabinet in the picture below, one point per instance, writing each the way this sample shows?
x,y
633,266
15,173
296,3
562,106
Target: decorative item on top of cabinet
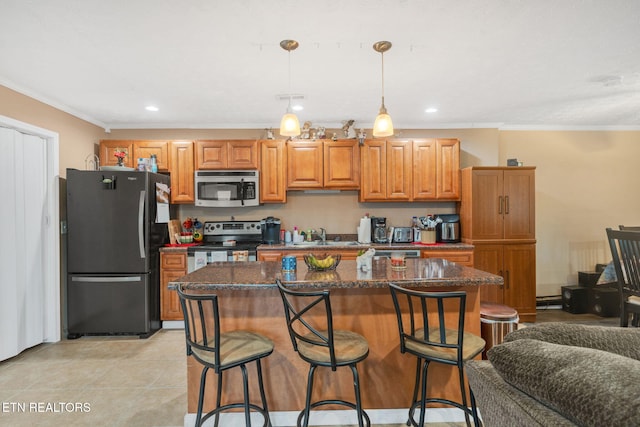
x,y
226,154
323,163
173,265
182,173
497,213
273,173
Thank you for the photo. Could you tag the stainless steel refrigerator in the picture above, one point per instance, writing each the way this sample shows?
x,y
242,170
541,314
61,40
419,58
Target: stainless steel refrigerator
x,y
113,255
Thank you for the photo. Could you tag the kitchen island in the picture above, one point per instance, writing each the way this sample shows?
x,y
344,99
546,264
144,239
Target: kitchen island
x,y
360,302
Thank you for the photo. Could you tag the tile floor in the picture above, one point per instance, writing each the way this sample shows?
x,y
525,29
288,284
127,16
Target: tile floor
x,y
117,381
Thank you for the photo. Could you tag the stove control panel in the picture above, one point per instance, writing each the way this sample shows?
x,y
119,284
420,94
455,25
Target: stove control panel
x,y
224,228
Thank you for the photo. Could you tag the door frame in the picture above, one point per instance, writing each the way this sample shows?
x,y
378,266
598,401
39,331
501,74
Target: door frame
x,y
51,239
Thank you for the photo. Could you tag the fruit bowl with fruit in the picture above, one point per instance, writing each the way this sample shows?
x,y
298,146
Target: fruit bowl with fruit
x,y
322,262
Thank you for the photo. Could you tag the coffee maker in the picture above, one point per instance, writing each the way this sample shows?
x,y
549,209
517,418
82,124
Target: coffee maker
x,y
270,230
379,229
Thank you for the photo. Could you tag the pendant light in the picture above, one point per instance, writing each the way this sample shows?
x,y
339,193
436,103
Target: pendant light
x,y
289,125
383,125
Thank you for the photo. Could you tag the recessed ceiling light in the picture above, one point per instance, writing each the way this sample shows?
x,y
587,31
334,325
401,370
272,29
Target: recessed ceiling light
x,y
151,108
431,110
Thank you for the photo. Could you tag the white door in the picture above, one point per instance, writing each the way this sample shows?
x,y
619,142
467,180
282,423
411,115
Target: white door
x,y
25,243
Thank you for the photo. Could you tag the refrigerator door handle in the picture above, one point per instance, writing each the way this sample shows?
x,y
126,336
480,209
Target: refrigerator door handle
x,y
102,279
143,195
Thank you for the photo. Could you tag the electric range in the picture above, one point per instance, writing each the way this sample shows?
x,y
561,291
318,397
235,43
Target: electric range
x,y
216,237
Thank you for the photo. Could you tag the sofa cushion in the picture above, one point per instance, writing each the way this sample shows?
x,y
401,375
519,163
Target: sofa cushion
x,y
591,387
622,341
502,405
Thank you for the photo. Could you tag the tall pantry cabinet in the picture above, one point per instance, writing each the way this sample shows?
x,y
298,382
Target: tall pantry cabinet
x,y
497,211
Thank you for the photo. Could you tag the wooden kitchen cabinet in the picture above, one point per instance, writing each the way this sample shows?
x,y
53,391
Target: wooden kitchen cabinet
x,y
341,160
498,203
173,265
226,154
273,172
304,164
181,171
323,163
276,255
462,257
436,169
386,171
516,263
109,146
145,149
497,214
135,150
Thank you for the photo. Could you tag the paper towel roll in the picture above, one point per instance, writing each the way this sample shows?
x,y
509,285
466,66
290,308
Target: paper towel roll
x,y
364,230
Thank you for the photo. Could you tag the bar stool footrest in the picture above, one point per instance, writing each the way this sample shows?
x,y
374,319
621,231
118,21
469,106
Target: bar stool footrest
x,y
417,405
223,408
333,402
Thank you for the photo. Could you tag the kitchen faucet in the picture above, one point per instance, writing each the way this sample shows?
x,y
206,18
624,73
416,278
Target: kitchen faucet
x,y
323,234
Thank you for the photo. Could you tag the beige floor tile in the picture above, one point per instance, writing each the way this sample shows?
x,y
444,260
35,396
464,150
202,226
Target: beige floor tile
x,y
124,381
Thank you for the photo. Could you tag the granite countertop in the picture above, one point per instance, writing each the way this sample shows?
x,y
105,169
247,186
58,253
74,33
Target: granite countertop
x,y
380,246
420,272
336,246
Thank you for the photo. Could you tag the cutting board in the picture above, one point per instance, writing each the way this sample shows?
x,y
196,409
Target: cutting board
x,y
174,228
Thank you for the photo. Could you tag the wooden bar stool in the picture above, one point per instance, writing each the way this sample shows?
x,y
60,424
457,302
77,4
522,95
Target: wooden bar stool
x,y
317,343
222,351
440,338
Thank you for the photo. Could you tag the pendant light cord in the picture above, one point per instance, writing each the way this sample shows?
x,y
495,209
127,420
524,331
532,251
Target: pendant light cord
x,y
382,55
289,110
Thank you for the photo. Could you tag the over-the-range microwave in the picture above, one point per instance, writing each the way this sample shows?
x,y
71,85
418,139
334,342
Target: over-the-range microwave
x,y
227,188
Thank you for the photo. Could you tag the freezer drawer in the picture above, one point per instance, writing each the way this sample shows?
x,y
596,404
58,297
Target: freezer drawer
x,y
112,304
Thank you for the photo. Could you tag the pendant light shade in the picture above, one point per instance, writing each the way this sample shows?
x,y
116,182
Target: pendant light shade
x,y
383,126
289,125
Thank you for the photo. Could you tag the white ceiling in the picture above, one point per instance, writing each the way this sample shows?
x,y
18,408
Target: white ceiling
x,y
218,64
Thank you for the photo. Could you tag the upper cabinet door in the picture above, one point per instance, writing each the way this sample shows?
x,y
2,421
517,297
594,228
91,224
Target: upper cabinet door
x,y
342,164
226,154
487,204
399,170
145,149
108,147
182,175
519,204
273,172
211,154
424,169
448,169
498,203
242,154
373,163
305,165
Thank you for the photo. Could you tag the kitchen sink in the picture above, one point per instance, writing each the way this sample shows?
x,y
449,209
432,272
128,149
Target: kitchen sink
x,y
338,243
327,243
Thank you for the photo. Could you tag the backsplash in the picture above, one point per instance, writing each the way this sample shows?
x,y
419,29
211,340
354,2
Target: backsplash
x,y
338,213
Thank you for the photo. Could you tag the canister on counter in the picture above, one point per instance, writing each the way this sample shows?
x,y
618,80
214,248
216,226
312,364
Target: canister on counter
x,y
289,263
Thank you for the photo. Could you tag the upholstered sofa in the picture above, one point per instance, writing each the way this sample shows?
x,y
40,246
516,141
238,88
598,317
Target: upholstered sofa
x,y
558,374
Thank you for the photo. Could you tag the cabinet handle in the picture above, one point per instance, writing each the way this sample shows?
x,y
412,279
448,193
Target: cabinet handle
x,y
506,279
500,203
506,204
